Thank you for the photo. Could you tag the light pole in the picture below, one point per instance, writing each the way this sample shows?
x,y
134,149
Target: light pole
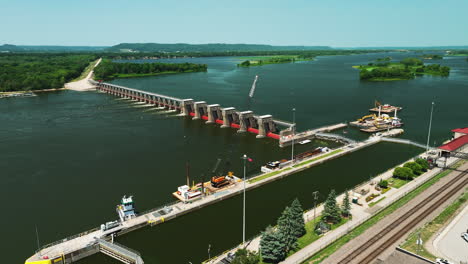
x,y
294,134
430,125
315,194
243,212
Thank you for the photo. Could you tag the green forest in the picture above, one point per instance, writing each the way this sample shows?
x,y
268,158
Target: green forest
x,y
23,72
108,69
406,69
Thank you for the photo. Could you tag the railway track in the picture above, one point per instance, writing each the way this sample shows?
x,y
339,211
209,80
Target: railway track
x,y
405,228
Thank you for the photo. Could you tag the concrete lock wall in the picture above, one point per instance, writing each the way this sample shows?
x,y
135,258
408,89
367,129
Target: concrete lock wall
x,y
227,116
200,109
244,120
213,113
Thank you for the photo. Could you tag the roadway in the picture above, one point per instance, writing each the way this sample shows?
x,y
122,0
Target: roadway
x,y
449,243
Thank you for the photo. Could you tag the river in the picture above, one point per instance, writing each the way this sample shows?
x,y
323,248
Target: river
x,y
68,157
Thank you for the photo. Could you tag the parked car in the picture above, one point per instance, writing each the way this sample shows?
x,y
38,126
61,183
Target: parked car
x,y
442,261
465,236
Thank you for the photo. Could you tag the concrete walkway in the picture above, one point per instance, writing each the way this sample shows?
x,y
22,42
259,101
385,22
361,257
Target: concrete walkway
x,y
83,84
449,242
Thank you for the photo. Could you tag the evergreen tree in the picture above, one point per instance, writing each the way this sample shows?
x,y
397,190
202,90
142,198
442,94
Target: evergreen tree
x,y
346,207
286,227
272,246
331,212
298,218
244,256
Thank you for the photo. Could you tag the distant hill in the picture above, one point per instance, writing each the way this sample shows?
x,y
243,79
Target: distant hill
x,y
43,48
215,47
409,48
10,48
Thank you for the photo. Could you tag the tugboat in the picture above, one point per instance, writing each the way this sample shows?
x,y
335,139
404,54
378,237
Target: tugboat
x,y
126,209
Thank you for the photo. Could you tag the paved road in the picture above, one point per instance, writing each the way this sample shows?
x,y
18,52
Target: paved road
x,y
450,243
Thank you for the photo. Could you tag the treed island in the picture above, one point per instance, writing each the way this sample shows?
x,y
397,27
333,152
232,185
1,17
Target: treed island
x,y
108,69
383,69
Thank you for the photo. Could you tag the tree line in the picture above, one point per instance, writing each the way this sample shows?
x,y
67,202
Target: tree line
x,y
108,69
277,242
22,72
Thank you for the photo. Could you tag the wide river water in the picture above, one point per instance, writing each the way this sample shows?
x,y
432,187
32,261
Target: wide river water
x,y
68,157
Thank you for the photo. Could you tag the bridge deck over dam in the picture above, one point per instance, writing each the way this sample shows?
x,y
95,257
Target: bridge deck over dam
x,y
244,121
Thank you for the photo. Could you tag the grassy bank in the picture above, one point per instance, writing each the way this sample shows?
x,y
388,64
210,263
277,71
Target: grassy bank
x,y
333,247
318,158
431,228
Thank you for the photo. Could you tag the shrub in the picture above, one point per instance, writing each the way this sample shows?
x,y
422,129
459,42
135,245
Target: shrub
x,y
244,256
403,173
415,167
423,163
383,184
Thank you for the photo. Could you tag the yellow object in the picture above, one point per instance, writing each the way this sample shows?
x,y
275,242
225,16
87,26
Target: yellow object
x,y
45,261
162,219
230,174
367,116
57,260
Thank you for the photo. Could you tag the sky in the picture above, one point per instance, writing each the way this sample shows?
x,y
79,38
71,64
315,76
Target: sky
x,y
337,23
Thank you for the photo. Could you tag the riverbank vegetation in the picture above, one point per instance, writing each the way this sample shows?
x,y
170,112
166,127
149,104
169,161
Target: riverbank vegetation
x,y
406,69
432,57
264,60
24,72
108,69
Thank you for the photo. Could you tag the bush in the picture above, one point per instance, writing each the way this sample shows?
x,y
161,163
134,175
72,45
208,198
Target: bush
x,y
383,184
244,256
415,167
404,173
423,163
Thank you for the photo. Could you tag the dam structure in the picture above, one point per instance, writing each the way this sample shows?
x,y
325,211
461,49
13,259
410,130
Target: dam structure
x,y
243,121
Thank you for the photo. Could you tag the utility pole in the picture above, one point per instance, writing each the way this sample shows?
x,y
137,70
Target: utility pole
x,y
37,240
430,125
315,194
209,251
243,213
294,134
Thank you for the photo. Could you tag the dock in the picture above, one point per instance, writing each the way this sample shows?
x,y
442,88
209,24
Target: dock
x,y
286,139
79,246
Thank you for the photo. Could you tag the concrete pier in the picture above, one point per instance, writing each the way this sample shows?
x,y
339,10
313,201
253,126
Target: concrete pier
x,y
244,121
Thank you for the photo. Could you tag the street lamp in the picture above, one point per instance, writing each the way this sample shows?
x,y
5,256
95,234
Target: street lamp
x,y
294,133
243,212
430,125
315,194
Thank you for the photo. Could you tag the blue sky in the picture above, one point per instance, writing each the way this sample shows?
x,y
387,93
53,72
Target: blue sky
x,y
344,23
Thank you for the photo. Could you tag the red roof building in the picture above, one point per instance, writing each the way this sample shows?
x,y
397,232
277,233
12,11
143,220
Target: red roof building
x,y
455,144
463,130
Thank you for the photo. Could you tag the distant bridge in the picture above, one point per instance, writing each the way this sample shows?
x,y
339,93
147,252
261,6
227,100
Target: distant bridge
x,y
245,121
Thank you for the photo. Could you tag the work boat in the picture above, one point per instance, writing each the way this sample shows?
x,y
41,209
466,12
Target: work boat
x,y
126,209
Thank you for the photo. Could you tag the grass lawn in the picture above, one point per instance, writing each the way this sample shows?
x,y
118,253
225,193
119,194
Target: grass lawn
x,y
373,203
321,157
311,236
397,183
327,251
264,176
429,229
